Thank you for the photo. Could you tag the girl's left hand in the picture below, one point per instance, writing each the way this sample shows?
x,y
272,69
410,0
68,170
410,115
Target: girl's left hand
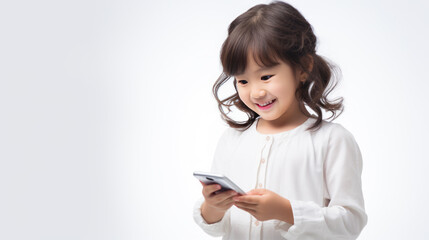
x,y
264,205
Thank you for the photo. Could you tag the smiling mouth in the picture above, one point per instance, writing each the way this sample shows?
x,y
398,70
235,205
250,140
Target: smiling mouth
x,y
266,105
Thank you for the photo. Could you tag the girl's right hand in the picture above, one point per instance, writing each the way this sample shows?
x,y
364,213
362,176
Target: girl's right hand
x,y
216,203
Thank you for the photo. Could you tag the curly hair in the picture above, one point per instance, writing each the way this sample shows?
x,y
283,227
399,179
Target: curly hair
x,y
277,31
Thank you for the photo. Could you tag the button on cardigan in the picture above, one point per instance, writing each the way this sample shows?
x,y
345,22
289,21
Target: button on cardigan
x,y
318,171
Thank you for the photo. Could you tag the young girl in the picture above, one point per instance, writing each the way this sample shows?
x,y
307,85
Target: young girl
x,y
305,172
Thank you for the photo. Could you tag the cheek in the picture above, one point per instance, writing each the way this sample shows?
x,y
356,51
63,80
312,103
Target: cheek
x,y
277,90
242,95
245,98
284,90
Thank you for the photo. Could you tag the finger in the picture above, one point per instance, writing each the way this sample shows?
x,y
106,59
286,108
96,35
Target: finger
x,y
227,203
210,189
224,203
251,199
246,205
249,210
257,191
220,197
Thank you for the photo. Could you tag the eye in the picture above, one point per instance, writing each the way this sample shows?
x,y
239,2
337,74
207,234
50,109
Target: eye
x,y
242,82
266,77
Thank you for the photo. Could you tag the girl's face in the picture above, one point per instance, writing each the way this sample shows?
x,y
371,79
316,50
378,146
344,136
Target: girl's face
x,y
270,92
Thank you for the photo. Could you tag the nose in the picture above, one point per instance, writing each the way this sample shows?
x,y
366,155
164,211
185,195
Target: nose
x,y
258,93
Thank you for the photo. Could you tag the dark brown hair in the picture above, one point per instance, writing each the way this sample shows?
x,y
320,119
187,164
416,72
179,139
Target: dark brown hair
x,y
277,31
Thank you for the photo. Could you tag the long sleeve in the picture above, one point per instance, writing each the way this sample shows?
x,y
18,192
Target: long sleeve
x,y
215,229
219,228
344,216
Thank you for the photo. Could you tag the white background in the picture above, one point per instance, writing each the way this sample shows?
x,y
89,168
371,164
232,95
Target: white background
x,y
106,110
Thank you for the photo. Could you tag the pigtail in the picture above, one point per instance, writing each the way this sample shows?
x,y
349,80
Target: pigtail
x,y
314,91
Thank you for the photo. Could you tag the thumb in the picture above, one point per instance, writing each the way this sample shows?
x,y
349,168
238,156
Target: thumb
x,y
258,191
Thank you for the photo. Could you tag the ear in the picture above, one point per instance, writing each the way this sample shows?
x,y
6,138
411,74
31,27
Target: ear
x,y
308,63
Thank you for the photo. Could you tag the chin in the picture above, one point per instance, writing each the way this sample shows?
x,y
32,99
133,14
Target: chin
x,y
268,118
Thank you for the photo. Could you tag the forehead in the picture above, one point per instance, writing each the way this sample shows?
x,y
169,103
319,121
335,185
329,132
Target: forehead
x,y
253,68
255,65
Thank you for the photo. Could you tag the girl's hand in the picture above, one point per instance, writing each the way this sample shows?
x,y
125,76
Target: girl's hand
x,y
221,201
216,203
264,205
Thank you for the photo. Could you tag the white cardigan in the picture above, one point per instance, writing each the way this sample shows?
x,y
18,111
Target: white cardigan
x,y
319,172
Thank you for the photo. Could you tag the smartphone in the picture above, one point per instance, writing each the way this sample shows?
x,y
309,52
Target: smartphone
x,y
223,181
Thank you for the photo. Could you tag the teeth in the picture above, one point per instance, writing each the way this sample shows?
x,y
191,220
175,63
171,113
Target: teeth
x,y
265,104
